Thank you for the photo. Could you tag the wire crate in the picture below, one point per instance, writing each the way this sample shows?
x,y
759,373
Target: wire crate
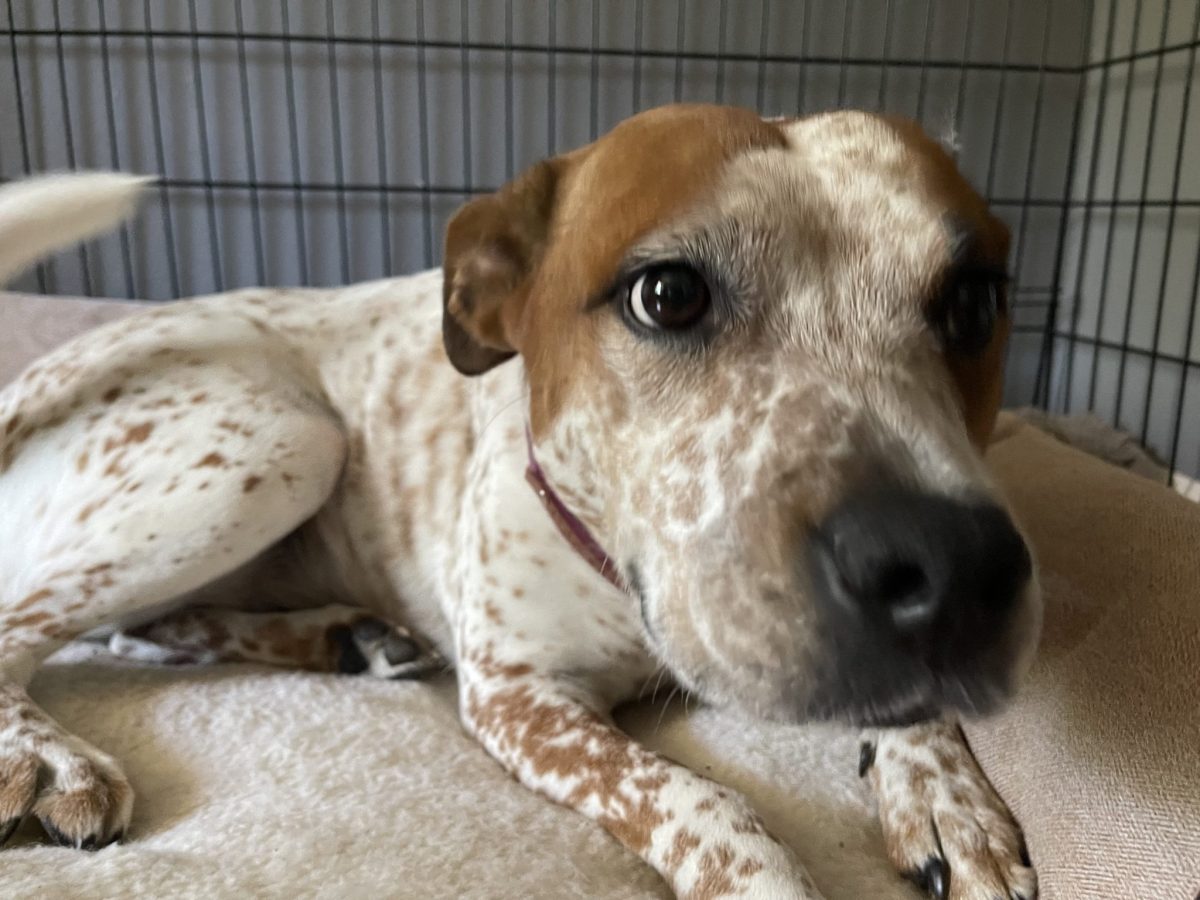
x,y
309,142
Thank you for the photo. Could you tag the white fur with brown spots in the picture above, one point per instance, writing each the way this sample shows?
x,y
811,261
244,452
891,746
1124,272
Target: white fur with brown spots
x,y
191,474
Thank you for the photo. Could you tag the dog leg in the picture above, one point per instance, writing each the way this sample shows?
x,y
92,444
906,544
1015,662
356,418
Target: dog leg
x,y
124,511
944,825
702,838
333,638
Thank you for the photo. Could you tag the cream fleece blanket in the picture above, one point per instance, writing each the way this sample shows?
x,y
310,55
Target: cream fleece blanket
x,y
255,782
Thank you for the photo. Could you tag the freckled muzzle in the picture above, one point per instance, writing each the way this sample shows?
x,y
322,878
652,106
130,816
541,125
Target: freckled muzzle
x,y
919,597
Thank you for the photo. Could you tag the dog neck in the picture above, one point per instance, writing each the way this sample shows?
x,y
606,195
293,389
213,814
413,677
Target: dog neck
x,y
569,525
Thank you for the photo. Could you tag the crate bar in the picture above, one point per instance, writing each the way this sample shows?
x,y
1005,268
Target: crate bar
x,y
594,75
1093,173
510,156
1106,259
339,173
381,153
844,57
888,22
1031,156
1176,176
114,151
961,98
43,277
924,79
760,78
294,139
465,59
161,158
260,256
564,49
998,118
69,135
1046,355
1141,215
210,202
423,141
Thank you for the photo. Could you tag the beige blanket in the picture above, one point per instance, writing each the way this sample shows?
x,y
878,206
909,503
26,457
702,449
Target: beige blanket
x,y
261,783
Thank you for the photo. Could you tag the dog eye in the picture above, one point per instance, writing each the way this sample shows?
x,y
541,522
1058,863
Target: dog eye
x,y
668,297
968,309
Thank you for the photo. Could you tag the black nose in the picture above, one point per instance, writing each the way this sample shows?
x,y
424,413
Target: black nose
x,y
920,566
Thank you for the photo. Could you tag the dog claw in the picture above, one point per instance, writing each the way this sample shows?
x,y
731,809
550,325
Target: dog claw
x,y
1024,855
866,758
933,878
398,649
57,836
7,829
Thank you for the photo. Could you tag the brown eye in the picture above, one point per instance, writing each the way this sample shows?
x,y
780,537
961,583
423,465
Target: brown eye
x,y
968,310
669,297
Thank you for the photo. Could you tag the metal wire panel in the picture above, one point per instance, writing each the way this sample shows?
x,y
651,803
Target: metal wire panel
x,y
313,142
1124,332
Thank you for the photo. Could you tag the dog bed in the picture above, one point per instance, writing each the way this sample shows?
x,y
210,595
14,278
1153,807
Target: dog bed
x,y
254,782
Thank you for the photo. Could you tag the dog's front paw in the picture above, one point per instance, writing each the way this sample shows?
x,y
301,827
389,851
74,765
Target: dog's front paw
x,y
944,825
78,793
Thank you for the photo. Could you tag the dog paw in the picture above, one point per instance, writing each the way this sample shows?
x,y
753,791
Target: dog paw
x,y
944,825
79,794
373,647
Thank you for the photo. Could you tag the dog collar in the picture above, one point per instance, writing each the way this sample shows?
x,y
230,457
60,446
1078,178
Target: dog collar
x,y
569,525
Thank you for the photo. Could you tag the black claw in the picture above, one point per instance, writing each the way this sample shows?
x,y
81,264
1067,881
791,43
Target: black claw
x,y
1024,854
398,649
91,842
7,829
57,836
116,838
933,877
866,758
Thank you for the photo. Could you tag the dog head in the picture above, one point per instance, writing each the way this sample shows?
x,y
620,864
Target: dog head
x,y
763,358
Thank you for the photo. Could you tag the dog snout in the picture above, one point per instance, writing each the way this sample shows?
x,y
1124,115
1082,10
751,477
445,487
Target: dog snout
x,y
922,571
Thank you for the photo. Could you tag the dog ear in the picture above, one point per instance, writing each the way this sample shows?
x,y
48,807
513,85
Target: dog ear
x,y
493,247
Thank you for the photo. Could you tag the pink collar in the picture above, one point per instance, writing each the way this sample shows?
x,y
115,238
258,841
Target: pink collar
x,y
569,525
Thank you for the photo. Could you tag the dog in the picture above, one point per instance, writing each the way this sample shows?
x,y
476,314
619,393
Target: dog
x,y
730,380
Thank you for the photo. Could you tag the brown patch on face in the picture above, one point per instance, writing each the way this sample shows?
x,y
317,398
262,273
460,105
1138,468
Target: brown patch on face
x,y
212,459
645,172
251,482
522,264
111,395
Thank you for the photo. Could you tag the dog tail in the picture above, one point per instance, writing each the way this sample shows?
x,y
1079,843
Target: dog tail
x,y
47,213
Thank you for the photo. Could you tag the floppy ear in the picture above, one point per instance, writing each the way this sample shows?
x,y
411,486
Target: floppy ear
x,y
493,246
